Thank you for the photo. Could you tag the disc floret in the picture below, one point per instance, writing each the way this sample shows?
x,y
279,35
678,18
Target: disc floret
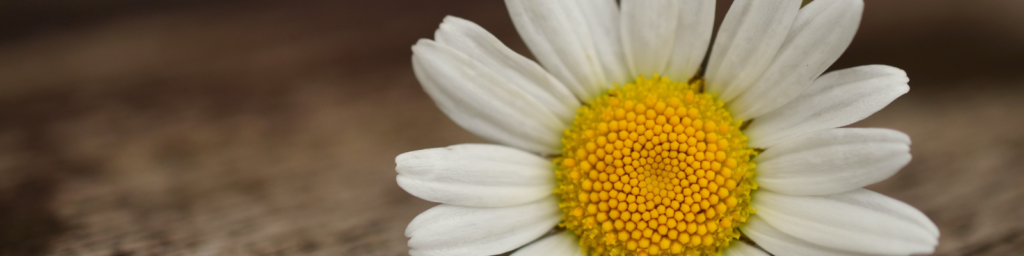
x,y
655,167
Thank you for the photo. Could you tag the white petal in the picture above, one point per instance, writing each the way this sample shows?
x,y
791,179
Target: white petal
x,y
476,175
484,103
778,243
577,41
693,35
602,18
648,34
750,36
739,248
822,31
835,99
561,244
458,230
474,41
858,221
832,161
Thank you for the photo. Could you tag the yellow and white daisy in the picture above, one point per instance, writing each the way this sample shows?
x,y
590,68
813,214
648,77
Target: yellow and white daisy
x,y
619,143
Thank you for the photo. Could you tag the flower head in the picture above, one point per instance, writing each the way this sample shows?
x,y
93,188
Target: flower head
x,y
619,143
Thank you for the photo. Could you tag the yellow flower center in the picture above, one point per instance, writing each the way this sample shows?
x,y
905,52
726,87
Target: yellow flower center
x,y
655,167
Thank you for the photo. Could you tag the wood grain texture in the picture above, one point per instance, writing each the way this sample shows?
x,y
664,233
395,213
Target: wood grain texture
x,y
262,128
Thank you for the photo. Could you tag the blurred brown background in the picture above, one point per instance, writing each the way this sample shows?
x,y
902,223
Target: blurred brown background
x,y
270,128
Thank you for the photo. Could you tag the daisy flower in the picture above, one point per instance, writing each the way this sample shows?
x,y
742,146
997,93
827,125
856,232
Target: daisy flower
x,y
621,141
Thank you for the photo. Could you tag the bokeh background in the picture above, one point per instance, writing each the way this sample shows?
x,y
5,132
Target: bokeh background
x,y
219,127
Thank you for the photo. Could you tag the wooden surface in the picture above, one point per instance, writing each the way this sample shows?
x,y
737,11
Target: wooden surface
x,y
252,128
